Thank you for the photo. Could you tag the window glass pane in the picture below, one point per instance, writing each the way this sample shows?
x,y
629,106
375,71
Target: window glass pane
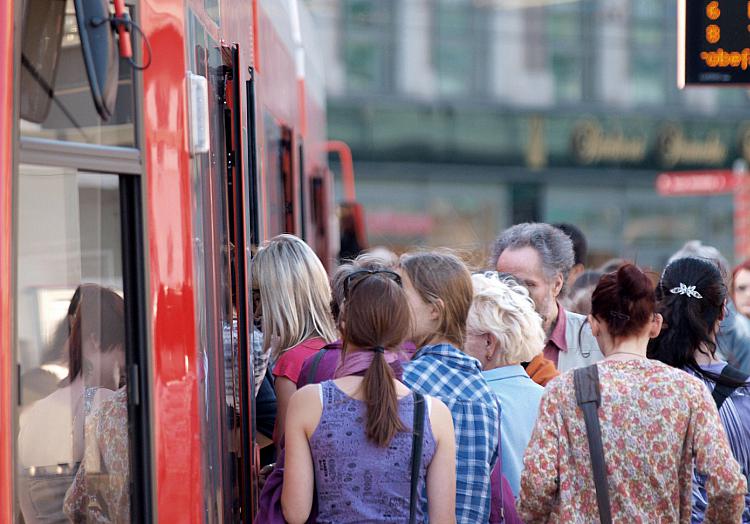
x,y
368,34
363,65
72,444
454,54
64,106
565,51
648,80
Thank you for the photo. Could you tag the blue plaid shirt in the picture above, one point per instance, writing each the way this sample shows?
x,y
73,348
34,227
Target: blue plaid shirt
x,y
449,374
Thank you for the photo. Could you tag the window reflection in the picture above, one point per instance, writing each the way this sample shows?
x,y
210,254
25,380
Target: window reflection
x,y
71,115
72,444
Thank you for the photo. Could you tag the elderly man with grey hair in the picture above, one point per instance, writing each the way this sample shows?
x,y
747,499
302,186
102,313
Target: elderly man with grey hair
x,y
540,256
733,338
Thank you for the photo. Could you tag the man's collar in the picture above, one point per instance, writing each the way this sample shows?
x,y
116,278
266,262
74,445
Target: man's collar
x,y
558,333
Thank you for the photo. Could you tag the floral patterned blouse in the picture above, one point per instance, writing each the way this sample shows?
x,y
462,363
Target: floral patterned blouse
x,y
656,423
100,492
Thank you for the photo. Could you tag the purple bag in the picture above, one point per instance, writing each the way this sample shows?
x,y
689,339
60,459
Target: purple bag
x,y
269,506
502,501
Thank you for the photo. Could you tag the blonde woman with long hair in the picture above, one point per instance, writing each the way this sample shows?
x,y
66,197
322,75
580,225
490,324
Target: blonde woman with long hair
x,y
503,329
295,299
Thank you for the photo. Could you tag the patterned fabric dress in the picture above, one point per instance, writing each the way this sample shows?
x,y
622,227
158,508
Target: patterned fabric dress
x,y
357,481
735,415
656,423
100,492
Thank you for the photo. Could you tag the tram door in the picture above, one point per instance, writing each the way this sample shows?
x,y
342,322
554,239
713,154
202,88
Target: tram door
x,y
221,225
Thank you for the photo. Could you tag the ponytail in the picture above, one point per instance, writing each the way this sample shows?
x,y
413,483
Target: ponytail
x,y
383,421
376,318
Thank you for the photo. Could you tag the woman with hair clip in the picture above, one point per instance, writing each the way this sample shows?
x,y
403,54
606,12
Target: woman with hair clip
x,y
691,297
439,290
295,313
350,440
655,425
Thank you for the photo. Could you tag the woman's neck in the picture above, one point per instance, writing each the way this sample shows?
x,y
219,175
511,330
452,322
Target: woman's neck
x,y
437,342
704,357
628,349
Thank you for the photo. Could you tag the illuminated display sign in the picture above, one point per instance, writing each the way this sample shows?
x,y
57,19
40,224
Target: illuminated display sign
x,y
713,42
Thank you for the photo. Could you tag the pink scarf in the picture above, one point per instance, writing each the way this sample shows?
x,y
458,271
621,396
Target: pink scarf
x,y
354,362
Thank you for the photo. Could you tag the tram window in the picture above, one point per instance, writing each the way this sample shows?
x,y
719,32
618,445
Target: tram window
x,y
279,176
73,454
59,100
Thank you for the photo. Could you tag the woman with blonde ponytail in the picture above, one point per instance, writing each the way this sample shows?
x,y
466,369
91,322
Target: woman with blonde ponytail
x,y
349,440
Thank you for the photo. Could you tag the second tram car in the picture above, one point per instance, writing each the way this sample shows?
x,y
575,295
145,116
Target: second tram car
x,y
154,176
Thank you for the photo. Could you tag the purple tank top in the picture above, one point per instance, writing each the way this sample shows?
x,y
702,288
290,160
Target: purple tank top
x,y
357,481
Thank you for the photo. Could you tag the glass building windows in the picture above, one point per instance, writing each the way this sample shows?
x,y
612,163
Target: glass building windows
x,y
368,44
566,49
647,72
454,49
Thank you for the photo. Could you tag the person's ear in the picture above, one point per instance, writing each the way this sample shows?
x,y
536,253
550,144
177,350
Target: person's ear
x,y
436,309
594,323
491,346
656,323
723,313
557,285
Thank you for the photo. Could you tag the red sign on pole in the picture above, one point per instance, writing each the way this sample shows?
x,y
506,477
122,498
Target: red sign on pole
x,y
696,183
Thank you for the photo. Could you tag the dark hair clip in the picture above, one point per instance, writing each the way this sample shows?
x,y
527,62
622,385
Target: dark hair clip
x,y
379,349
616,315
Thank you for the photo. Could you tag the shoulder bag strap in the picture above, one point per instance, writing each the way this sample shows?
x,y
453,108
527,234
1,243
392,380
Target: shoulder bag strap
x,y
314,368
500,457
588,396
416,454
722,392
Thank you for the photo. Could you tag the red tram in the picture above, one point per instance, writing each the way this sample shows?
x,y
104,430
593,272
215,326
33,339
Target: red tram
x,y
155,176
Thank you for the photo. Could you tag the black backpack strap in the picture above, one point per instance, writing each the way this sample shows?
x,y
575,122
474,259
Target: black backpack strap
x,y
416,454
722,392
314,368
588,396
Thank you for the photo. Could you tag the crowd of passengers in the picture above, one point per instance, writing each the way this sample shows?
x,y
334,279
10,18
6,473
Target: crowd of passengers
x,y
411,389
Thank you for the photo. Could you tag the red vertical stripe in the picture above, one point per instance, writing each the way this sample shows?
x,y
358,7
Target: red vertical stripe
x,y
176,418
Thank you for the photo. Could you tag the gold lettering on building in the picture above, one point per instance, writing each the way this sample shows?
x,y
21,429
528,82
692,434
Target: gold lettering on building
x,y
591,144
674,148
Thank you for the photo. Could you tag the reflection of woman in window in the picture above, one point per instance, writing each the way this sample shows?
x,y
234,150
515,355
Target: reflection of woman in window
x,y
51,432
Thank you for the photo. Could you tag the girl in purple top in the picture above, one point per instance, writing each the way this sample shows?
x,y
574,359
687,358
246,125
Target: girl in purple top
x,y
691,297
349,440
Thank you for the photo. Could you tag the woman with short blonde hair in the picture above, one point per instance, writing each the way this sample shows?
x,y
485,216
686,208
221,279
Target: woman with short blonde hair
x,y
295,299
503,309
503,329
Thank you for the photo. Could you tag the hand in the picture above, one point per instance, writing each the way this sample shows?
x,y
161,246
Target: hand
x,y
263,475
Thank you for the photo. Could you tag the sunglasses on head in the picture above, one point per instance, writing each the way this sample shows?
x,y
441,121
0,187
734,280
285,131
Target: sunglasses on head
x,y
353,279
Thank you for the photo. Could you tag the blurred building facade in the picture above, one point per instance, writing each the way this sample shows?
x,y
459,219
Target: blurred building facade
x,y
465,116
